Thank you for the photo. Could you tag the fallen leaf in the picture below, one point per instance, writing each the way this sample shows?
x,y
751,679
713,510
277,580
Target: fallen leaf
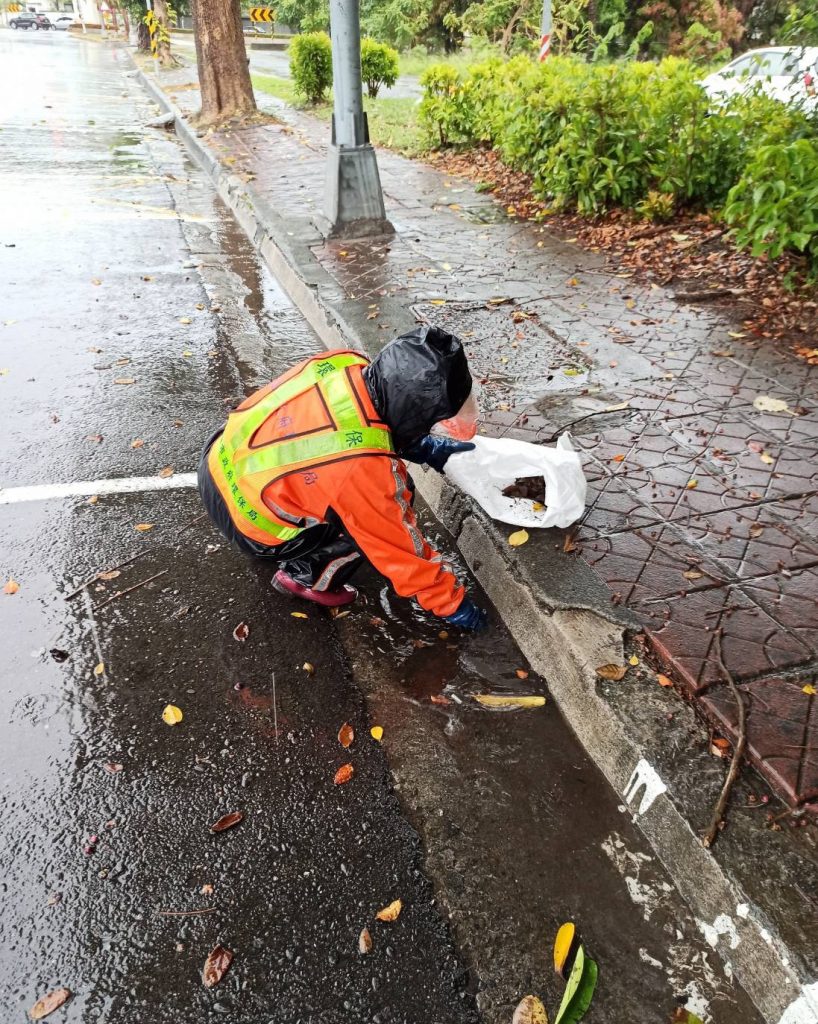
x,y
537,506
172,715
185,320
691,574
443,634
756,530
48,1004
518,538
166,472
691,485
309,668
144,527
809,689
633,660
93,499
683,1016
344,774
346,734
227,821
737,334
438,698
390,913
241,632
99,669
766,404
54,899
96,438
111,574
187,353
299,615
112,767
437,302
496,700
216,966
618,458
720,747
365,942
206,889
767,458
521,673
96,280
611,672
376,732
124,380
568,544
11,587
530,1010
663,680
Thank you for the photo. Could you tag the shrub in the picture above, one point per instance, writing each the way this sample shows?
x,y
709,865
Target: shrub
x,y
774,205
311,65
379,65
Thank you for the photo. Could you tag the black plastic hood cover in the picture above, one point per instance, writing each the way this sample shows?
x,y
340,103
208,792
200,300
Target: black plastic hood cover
x,y
417,380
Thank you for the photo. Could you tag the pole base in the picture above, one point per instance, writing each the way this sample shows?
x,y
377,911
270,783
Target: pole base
x,y
353,202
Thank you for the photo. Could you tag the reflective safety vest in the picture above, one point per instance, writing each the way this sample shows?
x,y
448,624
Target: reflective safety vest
x,y
243,472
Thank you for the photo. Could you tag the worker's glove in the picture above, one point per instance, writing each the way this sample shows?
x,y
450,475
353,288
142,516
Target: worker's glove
x,y
434,451
469,616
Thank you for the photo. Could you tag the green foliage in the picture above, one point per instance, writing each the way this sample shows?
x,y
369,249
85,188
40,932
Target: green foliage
x,y
311,65
379,65
304,15
801,25
636,135
774,206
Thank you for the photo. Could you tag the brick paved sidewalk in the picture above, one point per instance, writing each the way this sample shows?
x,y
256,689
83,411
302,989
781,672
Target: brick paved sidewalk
x,y
703,508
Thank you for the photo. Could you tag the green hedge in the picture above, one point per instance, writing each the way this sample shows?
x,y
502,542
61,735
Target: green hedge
x,y
311,64
597,136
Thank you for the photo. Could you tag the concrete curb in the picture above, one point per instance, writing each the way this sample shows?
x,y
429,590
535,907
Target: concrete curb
x,y
651,770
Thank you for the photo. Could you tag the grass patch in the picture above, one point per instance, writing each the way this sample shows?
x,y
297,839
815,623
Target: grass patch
x,y
417,60
393,123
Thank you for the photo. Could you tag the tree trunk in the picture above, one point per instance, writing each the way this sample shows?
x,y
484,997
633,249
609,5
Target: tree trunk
x,y
143,37
221,60
505,40
160,9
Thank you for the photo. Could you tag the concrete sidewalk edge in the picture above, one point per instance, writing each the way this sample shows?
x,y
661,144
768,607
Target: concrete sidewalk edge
x,y
562,644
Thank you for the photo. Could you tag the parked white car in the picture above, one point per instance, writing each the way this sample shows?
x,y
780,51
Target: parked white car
x,y
785,73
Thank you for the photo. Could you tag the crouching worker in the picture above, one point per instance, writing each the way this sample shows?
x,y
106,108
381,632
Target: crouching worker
x,y
309,472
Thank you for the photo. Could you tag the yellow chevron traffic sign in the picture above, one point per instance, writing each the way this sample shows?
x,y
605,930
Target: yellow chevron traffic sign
x,y
14,8
262,14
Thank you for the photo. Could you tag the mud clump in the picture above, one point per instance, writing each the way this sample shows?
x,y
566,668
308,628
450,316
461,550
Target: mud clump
x,y
531,487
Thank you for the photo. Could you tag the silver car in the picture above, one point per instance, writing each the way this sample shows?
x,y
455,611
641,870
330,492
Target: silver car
x,y
785,73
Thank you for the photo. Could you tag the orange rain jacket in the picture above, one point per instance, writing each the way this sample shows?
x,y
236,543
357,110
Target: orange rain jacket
x,y
370,493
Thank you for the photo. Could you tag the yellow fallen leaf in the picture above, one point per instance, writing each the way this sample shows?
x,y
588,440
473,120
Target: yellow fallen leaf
x,y
93,499
437,302
497,700
172,715
633,660
767,458
95,280
692,574
308,667
809,689
99,669
537,506
376,732
124,380
187,354
299,615
144,527
692,484
766,404
185,320
390,913
11,587
518,538
737,334
663,680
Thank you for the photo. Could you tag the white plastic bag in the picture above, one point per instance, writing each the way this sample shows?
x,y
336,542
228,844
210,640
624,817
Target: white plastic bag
x,y
497,462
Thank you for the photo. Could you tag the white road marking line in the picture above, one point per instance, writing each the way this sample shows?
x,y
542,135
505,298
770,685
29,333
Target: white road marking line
x,y
85,488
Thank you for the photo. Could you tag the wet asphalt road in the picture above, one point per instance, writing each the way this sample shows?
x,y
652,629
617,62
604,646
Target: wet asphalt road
x,y
110,241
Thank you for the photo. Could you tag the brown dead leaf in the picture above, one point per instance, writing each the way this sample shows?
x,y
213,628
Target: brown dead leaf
x,y
390,913
227,821
48,1004
112,767
344,774
11,587
137,443
691,574
124,380
530,1011
111,574
663,680
438,698
615,672
166,472
241,632
144,527
365,942
569,544
720,747
216,966
618,458
521,673
309,668
346,734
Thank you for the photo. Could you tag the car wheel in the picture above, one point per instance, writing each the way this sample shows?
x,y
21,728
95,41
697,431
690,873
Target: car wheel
x,y
35,26
14,25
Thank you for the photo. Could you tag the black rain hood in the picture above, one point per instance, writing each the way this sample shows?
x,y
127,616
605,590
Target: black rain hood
x,y
417,380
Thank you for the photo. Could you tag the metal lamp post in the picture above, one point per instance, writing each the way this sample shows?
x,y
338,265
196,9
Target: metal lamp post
x,y
354,200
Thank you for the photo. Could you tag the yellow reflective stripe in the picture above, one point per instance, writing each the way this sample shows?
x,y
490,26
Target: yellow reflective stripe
x,y
244,506
250,420
321,446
